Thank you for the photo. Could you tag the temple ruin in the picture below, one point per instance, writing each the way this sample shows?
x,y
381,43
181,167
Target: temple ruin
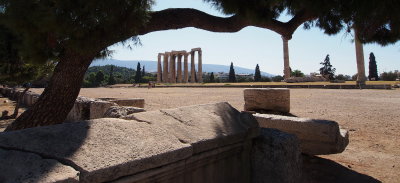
x,y
169,67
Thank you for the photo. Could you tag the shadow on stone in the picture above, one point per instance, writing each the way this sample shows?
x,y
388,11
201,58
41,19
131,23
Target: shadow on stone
x,y
48,146
320,170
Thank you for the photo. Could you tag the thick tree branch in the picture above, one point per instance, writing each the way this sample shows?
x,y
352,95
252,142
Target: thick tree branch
x,y
184,17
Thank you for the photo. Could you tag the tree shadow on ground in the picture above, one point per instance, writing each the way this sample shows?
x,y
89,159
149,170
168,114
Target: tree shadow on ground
x,y
316,169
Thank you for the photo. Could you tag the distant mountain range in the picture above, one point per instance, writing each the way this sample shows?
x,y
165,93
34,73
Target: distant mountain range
x,y
151,66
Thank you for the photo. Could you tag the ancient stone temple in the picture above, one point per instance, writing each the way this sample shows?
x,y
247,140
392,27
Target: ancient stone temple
x,y
170,70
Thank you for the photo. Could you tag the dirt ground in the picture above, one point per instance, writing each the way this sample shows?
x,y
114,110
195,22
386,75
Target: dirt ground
x,y
371,116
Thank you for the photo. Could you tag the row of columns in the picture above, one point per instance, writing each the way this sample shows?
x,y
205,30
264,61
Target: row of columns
x,y
169,70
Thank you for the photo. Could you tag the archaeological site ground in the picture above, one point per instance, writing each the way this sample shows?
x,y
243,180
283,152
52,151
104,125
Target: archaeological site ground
x,y
370,117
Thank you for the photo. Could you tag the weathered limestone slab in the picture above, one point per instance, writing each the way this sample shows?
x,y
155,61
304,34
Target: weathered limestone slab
x,y
197,139
17,166
103,149
99,108
276,157
81,110
131,102
204,126
317,137
267,99
120,112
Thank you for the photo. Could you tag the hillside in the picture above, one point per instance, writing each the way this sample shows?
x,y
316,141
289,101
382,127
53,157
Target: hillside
x,y
151,66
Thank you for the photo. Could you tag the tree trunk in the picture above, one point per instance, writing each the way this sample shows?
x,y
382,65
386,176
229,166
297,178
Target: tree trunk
x,y
59,97
286,70
360,60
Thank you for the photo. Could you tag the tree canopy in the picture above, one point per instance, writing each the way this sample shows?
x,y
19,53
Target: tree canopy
x,y
375,20
49,28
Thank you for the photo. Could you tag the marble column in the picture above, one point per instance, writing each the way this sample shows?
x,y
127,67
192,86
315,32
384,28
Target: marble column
x,y
185,68
170,71
165,68
159,72
200,67
192,67
173,68
179,72
286,70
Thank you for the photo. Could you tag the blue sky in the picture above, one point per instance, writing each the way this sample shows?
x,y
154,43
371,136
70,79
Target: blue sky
x,y
252,46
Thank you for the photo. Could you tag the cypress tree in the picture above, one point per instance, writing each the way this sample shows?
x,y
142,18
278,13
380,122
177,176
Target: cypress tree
x,y
212,78
138,75
232,75
143,72
257,74
373,68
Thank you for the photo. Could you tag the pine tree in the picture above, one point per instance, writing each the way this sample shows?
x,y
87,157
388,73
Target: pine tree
x,y
327,70
257,74
373,68
212,78
232,75
111,79
138,76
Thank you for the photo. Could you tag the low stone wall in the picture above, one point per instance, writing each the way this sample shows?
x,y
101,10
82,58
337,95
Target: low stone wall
x,y
83,109
305,79
129,102
205,143
317,137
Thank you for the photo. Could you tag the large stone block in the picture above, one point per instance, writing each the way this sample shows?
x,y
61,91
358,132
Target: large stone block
x,y
99,108
103,149
267,99
203,126
17,166
192,138
81,110
317,137
276,157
